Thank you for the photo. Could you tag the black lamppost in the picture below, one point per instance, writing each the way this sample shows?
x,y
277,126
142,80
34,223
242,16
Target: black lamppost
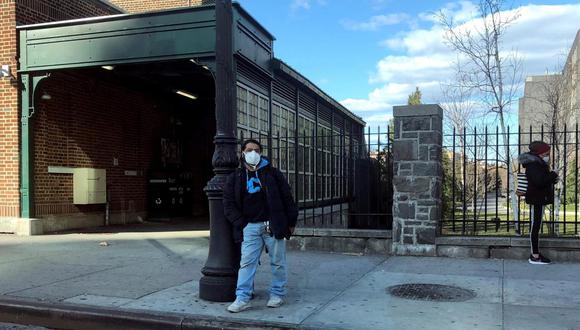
x,y
220,270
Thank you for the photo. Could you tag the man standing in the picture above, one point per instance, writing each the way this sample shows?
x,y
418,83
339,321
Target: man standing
x,y
540,191
259,204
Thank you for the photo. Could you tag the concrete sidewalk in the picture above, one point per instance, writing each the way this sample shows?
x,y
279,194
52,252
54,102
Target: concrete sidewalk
x,y
150,280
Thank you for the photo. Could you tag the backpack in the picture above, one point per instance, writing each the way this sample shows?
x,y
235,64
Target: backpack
x,y
522,184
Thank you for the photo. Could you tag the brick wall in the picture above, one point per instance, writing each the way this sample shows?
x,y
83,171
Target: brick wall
x,y
9,123
40,11
140,6
12,13
87,123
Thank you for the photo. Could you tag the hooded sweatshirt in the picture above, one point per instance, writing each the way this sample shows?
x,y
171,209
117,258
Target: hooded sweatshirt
x,y
540,179
254,197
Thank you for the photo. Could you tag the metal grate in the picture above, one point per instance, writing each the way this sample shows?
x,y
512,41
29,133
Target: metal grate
x,y
307,104
431,292
246,71
284,90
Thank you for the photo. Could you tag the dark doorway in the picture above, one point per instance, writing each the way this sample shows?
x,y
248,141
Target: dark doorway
x,y
150,126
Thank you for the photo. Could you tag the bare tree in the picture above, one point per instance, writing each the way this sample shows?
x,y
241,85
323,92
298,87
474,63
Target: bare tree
x,y
457,103
493,73
458,110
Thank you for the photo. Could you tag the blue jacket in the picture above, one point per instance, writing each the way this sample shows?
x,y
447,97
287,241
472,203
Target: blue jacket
x,y
283,209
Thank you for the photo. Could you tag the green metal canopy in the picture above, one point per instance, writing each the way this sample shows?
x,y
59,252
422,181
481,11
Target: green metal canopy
x,y
118,39
188,33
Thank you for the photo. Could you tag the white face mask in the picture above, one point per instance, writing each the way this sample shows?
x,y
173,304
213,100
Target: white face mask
x,y
252,158
546,159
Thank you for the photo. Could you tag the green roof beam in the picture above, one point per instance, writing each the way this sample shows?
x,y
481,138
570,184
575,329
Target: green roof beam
x,y
112,40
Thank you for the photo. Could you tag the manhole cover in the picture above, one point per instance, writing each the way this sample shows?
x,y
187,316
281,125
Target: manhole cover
x,y
431,292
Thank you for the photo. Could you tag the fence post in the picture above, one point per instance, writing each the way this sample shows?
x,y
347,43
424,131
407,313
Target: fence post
x,y
417,181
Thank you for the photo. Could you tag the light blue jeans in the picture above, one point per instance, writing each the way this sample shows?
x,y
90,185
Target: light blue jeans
x,y
255,237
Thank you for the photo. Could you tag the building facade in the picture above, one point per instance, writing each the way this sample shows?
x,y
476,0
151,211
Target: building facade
x,y
544,93
142,114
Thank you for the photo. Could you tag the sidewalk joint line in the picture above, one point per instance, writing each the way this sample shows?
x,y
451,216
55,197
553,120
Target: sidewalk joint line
x,y
316,310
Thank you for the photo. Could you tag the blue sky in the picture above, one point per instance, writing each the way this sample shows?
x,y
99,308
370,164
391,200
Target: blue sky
x,y
370,54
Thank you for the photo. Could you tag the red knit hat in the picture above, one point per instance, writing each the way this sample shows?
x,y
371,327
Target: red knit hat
x,y
539,147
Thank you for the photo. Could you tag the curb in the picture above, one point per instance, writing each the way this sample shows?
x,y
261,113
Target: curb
x,y
68,316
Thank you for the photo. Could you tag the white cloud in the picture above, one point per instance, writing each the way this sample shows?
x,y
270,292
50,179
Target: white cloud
x,y
378,120
411,69
418,41
379,4
541,35
363,105
300,4
375,22
306,4
383,98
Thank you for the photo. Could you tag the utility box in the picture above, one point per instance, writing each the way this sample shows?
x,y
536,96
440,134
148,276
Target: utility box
x,y
89,186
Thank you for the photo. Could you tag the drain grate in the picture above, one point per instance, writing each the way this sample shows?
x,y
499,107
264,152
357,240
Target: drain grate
x,y
431,292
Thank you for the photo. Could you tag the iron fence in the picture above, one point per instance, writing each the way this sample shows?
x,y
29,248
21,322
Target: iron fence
x,y
478,174
339,180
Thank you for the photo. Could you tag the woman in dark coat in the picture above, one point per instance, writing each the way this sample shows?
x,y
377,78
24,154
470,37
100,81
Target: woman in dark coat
x,y
540,191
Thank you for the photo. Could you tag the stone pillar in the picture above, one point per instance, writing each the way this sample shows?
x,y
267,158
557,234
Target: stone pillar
x,y
417,181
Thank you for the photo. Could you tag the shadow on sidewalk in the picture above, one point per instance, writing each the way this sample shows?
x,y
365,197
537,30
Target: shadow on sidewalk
x,y
172,225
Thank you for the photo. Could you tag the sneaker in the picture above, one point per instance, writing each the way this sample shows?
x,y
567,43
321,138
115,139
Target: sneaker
x,y
238,306
541,260
275,302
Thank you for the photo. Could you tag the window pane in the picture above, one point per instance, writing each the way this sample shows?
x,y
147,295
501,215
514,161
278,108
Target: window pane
x,y
242,106
292,125
284,122
307,161
264,120
300,158
264,143
291,156
253,110
275,120
300,187
283,155
291,178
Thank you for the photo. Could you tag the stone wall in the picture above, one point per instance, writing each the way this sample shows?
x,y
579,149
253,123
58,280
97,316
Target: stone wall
x,y
417,178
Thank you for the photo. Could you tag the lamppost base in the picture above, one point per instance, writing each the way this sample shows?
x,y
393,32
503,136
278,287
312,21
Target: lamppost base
x,y
218,288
